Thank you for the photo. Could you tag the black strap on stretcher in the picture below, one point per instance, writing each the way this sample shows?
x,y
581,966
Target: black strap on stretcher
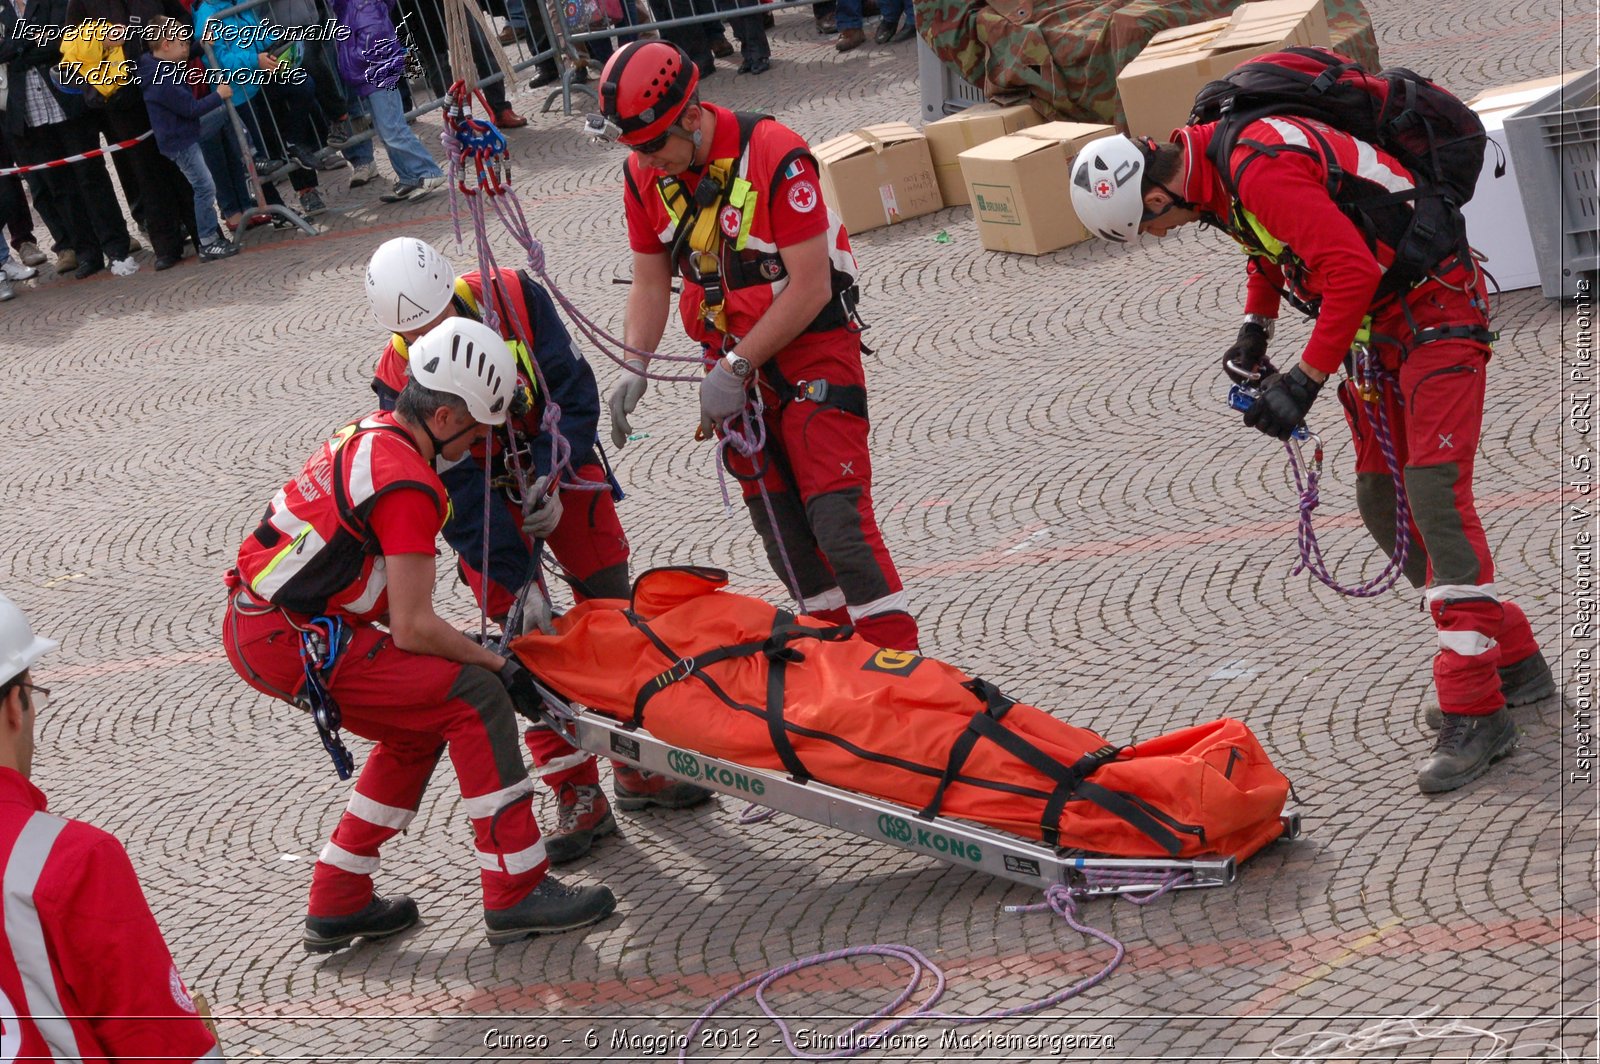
x,y
1071,781
779,654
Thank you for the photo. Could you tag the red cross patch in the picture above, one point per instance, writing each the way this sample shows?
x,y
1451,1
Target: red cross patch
x,y
730,220
803,196
1104,189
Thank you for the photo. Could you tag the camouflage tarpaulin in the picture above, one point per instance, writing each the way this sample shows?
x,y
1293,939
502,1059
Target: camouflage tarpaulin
x,y
1063,56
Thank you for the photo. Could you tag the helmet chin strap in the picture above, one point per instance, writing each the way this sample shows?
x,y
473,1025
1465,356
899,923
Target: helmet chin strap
x,y
439,445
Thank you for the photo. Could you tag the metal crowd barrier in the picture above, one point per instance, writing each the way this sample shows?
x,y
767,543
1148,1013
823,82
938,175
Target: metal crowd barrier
x,y
423,85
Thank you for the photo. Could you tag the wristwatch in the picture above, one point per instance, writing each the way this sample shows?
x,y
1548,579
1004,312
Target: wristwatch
x,y
1268,324
738,365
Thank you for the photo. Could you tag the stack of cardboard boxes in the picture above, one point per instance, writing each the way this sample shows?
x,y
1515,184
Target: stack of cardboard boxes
x,y
1012,167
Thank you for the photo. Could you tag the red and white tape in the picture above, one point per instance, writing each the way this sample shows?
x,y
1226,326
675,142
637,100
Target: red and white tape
x,y
118,146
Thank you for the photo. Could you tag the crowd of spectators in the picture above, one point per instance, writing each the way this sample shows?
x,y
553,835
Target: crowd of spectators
x,y
74,71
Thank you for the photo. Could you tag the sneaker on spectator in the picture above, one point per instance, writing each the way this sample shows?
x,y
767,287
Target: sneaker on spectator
x,y
217,249
427,187
403,190
311,204
363,174
340,132
6,291
30,254
306,157
16,271
89,267
66,260
124,267
165,262
328,159
906,31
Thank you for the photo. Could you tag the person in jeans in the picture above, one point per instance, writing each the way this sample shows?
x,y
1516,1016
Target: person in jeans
x,y
279,114
45,122
416,173
179,121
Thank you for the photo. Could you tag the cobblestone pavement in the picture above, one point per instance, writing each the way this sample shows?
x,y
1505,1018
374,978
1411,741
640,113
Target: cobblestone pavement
x,y
1077,514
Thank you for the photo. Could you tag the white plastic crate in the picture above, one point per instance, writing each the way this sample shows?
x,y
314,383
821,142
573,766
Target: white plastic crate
x,y
1554,144
944,92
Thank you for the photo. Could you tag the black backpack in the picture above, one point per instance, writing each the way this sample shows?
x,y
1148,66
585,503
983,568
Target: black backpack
x,y
1428,129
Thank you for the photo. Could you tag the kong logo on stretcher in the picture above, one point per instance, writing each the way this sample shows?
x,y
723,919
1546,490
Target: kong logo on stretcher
x,y
898,829
691,767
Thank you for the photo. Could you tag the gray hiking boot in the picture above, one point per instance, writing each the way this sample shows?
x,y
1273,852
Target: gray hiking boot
x,y
1523,683
549,907
583,816
1465,749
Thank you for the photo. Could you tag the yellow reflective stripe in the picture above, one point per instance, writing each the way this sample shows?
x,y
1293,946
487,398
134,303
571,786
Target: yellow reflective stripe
x,y
1265,241
747,220
740,190
294,544
466,294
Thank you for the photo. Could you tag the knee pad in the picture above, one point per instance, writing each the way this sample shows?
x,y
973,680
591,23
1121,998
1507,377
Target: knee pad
x,y
1432,492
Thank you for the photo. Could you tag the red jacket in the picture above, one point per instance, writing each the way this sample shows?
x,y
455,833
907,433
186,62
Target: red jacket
x,y
84,972
1288,194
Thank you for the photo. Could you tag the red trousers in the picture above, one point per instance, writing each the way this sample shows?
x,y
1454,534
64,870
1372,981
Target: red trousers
x,y
1435,415
818,481
414,708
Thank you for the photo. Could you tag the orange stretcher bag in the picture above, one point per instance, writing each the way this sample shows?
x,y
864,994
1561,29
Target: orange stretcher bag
x,y
736,678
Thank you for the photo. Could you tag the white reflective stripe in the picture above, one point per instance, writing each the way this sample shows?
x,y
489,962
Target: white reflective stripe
x,y
490,804
898,601
758,244
377,581
378,814
1457,592
1467,644
841,258
830,599
1370,167
282,518
666,235
361,486
1291,133
516,863
25,934
561,764
343,859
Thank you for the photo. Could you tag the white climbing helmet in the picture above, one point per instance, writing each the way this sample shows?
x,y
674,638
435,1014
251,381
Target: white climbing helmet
x,y
19,647
409,283
1108,188
466,358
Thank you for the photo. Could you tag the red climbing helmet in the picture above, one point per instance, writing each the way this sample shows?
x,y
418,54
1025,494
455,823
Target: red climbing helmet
x,y
644,89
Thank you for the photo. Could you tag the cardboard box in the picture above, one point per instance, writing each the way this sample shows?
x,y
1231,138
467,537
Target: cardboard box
x,y
1496,223
949,137
1158,88
1018,187
878,175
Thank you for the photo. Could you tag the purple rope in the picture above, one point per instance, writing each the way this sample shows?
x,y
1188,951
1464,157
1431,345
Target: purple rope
x,y
1057,898
749,442
755,814
1306,481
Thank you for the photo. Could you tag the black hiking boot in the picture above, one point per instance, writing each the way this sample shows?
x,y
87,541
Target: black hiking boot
x,y
381,918
549,907
1522,683
1465,749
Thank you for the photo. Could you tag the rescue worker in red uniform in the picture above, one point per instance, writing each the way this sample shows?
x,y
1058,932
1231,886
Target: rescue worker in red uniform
x,y
349,544
412,288
732,204
1434,338
84,973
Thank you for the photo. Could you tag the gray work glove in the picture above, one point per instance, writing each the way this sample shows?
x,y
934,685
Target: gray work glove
x,y
536,613
622,400
721,396
541,509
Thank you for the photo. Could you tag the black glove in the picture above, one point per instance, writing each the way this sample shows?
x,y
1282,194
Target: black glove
x,y
1283,403
519,685
1246,361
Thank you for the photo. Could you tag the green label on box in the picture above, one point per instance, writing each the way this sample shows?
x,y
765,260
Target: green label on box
x,y
995,204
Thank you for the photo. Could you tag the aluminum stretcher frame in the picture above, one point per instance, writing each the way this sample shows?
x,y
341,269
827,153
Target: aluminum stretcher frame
x,y
958,842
